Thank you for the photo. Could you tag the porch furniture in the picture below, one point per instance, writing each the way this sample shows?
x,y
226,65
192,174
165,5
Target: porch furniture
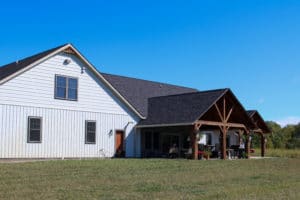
x,y
189,153
235,150
230,153
201,149
242,153
216,151
173,152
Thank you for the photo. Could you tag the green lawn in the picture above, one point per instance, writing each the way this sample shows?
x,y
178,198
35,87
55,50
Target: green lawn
x,y
277,178
284,153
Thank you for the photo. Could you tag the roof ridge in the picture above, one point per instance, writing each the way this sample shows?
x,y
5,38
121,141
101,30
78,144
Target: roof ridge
x,y
140,79
189,93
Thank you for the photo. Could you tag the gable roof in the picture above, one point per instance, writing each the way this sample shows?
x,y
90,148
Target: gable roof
x,y
12,70
14,67
180,109
137,91
187,109
258,121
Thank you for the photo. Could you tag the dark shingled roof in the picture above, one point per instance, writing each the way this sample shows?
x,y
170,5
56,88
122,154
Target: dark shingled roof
x,y
180,109
251,112
13,67
137,91
258,121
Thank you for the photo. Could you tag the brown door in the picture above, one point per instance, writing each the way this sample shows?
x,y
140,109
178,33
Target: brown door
x,y
120,144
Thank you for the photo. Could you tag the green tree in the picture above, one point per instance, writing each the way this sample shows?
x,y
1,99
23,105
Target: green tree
x,y
275,139
294,140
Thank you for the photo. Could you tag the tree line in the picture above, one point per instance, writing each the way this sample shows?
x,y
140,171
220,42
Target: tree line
x,y
287,137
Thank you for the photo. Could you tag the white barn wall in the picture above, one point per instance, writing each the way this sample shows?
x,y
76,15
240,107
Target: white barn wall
x,y
36,87
63,132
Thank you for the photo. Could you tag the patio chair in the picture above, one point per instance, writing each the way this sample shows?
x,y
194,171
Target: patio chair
x,y
235,150
216,151
189,153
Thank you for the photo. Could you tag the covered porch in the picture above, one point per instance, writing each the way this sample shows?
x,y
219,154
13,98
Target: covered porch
x,y
261,129
212,121
157,142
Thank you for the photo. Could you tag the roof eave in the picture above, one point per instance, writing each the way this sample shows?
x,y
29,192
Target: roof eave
x,y
32,64
164,125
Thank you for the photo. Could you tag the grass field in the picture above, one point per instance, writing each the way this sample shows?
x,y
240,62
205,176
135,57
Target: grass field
x,y
277,178
283,153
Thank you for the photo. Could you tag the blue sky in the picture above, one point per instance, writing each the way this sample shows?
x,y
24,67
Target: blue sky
x,y
253,47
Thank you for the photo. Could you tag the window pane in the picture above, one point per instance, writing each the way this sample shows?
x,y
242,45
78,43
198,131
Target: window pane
x,y
35,136
72,83
72,94
91,126
60,92
208,138
61,84
61,81
91,137
35,123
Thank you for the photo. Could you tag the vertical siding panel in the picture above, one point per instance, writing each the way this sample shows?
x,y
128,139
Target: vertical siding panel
x,y
1,132
63,132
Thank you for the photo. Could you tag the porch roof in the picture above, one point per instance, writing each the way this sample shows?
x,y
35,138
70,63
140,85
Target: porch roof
x,y
260,124
187,109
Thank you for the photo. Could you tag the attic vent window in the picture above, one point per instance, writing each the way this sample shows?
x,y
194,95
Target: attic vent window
x,y
67,61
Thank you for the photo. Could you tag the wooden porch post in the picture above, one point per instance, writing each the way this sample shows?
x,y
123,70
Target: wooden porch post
x,y
262,145
223,142
247,146
194,142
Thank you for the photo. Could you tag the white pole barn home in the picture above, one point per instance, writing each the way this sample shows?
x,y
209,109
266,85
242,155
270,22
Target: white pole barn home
x,y
56,104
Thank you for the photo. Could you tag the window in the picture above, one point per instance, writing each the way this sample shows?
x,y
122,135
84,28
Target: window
x,y
148,140
34,130
208,138
90,132
66,88
155,140
152,140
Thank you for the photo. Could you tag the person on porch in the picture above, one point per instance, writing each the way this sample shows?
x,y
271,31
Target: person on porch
x,y
242,148
173,152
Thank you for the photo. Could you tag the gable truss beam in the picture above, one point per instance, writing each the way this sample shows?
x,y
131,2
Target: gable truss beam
x,y
221,124
223,116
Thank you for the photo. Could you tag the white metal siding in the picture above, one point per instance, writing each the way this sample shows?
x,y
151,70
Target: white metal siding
x,y
63,128
63,133
36,87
